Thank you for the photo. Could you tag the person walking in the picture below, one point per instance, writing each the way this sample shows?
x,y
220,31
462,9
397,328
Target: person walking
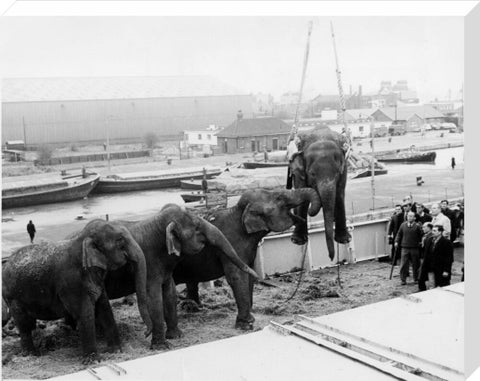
x,y
31,230
408,239
453,163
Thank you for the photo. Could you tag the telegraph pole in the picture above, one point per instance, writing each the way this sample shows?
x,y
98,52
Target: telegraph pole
x,y
107,132
372,164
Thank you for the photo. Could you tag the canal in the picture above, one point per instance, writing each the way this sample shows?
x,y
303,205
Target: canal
x,y
54,221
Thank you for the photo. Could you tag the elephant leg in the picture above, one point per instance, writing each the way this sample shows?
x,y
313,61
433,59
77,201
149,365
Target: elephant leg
x,y
108,324
239,282
300,233
192,293
155,305
86,328
170,308
25,324
70,321
341,232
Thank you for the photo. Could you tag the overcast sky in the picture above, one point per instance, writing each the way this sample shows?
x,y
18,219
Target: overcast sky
x,y
254,54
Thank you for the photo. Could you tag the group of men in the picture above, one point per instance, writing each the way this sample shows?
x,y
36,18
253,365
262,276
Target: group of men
x,y
425,239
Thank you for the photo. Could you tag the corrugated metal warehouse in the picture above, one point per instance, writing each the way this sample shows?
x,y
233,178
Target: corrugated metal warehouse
x,y
64,110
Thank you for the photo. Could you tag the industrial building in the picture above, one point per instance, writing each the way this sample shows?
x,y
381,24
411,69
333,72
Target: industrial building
x,y
66,110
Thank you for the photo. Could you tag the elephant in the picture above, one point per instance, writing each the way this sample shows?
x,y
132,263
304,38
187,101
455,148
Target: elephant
x,y
321,165
257,213
166,238
51,280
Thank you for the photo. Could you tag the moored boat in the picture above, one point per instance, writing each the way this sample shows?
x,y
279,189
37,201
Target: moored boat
x,y
191,184
409,157
367,173
192,197
140,181
19,194
254,165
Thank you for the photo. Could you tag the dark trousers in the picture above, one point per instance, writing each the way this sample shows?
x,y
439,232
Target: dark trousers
x,y
32,236
441,281
395,255
423,277
409,254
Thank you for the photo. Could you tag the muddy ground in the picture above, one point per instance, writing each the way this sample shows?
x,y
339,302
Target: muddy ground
x,y
319,293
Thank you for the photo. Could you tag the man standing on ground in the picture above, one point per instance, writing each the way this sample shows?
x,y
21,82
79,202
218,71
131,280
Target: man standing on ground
x,y
408,239
451,216
426,256
442,256
395,221
421,216
440,219
31,231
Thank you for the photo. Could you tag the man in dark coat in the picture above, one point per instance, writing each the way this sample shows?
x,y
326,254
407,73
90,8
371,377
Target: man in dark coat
x,y
31,230
442,257
426,256
421,216
395,221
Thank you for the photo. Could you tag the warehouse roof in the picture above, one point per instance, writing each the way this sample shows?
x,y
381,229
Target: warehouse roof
x,y
255,127
406,112
88,88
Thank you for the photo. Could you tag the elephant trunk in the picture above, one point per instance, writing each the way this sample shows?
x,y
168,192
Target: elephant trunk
x,y
135,254
299,196
327,191
216,238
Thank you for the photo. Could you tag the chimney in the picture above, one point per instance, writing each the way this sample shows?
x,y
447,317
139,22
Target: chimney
x,y
239,115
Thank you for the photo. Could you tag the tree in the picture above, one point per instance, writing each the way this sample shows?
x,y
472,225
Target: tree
x,y
151,139
45,153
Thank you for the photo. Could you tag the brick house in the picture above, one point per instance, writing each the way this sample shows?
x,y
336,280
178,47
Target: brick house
x,y
254,135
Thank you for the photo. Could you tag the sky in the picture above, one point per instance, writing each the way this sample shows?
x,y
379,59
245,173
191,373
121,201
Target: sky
x,y
254,54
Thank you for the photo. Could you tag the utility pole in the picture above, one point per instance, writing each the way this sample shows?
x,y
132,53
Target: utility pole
x,y
107,133
372,164
24,132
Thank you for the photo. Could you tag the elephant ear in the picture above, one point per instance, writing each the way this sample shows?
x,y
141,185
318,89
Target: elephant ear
x,y
91,256
173,243
252,221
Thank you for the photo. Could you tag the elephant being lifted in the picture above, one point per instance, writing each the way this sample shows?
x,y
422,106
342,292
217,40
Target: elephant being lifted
x,y
321,165
163,237
49,281
257,213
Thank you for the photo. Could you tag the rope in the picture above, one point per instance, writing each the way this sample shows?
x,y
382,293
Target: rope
x,y
301,275
294,129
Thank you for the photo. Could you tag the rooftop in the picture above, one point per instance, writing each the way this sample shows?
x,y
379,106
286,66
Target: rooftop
x,y
255,127
88,88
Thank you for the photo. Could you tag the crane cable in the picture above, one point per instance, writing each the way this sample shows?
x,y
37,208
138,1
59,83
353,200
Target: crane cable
x,y
294,129
345,130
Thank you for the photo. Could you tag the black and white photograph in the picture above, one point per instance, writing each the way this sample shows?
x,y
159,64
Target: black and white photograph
x,y
234,193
